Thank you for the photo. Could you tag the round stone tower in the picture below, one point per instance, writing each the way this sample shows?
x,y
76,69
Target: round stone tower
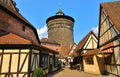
x,y
60,28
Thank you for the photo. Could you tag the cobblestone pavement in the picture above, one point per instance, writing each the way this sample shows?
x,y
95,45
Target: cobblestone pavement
x,y
67,72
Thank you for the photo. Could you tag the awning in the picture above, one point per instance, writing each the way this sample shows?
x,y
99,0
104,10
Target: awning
x,y
107,51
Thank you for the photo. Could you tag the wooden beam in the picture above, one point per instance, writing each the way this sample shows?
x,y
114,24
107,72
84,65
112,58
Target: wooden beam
x,y
10,65
1,60
18,62
23,62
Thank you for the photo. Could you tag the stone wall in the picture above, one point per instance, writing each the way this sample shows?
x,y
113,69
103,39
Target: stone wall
x,y
61,30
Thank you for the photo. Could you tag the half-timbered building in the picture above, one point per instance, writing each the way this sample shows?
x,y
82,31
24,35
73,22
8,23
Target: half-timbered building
x,y
92,62
20,49
49,59
87,49
109,36
18,56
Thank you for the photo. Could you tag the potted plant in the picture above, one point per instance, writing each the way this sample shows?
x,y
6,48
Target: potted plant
x,y
38,72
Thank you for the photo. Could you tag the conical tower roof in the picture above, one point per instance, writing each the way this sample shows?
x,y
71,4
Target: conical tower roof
x,y
59,14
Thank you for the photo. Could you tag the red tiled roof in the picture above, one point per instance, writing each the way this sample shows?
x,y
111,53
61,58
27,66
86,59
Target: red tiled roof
x,y
55,48
44,47
112,9
64,51
91,52
84,40
10,38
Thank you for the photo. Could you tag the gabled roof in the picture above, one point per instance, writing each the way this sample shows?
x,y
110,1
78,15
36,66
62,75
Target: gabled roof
x,y
112,9
10,38
84,40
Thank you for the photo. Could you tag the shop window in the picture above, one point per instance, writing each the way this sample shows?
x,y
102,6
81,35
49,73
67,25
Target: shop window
x,y
89,60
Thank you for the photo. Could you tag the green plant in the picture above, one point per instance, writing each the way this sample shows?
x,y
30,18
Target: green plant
x,y
38,72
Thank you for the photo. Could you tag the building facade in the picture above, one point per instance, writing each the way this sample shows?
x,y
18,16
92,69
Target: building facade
x,y
20,48
87,48
109,39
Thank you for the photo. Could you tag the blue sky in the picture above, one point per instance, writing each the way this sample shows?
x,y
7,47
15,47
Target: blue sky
x,y
85,13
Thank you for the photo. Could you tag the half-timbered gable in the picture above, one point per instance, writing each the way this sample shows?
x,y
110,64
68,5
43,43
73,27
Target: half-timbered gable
x,y
109,36
87,43
72,51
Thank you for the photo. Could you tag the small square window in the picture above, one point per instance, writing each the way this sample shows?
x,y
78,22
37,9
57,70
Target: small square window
x,y
23,28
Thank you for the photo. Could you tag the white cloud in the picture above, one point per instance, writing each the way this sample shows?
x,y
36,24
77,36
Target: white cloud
x,y
95,29
42,32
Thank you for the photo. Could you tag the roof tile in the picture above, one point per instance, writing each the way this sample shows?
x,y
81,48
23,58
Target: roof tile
x,y
112,9
10,38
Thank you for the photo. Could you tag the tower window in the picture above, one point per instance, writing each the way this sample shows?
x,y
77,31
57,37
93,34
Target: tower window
x,y
23,28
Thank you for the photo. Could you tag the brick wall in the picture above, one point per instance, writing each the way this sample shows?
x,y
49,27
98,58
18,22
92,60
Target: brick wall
x,y
11,24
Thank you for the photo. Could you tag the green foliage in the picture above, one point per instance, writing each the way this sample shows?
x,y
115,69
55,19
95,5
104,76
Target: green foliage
x,y
38,72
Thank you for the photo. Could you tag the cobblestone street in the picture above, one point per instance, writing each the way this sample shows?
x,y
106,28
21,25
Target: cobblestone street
x,y
67,72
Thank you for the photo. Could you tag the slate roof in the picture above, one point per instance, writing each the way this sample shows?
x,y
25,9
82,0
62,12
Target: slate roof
x,y
112,9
